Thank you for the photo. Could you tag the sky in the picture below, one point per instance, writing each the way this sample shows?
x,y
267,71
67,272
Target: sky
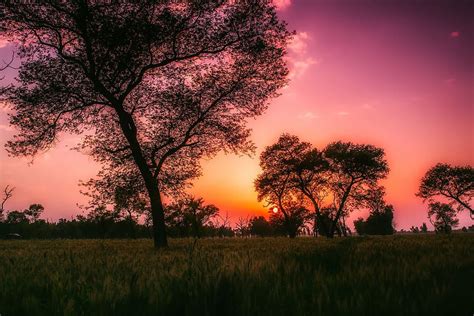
x,y
395,74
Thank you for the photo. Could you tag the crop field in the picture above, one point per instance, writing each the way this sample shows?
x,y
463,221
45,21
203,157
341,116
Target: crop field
x,y
396,275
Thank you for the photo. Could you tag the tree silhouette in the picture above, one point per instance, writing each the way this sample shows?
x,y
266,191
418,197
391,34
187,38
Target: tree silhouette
x,y
242,227
355,172
276,183
7,194
190,215
259,226
423,228
34,212
346,173
444,217
156,86
455,183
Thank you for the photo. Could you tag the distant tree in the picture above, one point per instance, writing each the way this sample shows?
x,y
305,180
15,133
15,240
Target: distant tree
x,y
345,172
242,228
276,185
414,229
424,228
155,85
444,217
7,194
34,212
359,226
129,205
379,222
464,229
190,215
102,217
16,217
292,223
455,183
259,226
221,226
355,172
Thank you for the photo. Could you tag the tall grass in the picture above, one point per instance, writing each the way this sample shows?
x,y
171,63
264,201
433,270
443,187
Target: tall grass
x,y
397,275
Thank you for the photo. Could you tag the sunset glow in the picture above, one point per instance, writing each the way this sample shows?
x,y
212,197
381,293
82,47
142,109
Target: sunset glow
x,y
398,77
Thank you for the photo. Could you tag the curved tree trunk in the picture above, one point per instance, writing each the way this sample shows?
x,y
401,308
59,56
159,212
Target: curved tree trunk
x,y
157,211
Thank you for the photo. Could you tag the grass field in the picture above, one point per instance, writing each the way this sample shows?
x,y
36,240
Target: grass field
x,y
397,275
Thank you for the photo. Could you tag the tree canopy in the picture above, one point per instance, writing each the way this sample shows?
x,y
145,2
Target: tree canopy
x,y
153,86
454,183
341,177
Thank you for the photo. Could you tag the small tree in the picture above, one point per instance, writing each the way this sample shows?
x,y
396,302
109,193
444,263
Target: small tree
x,y
34,212
16,217
190,215
424,228
292,223
444,217
455,183
7,194
259,226
242,228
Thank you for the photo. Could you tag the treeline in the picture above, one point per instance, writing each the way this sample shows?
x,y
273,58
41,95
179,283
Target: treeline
x,y
295,178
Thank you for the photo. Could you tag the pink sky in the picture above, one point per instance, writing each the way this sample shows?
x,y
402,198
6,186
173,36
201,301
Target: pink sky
x,y
394,74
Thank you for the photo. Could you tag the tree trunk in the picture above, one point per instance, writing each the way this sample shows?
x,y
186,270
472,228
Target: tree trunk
x,y
158,216
292,234
157,212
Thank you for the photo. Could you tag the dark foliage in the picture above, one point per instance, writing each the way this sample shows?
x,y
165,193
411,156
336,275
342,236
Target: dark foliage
x,y
454,183
155,86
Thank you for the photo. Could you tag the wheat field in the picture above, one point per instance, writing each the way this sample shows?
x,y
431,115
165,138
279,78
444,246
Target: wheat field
x,y
394,275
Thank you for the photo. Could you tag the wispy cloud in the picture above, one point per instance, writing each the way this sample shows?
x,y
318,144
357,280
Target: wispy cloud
x,y
299,43
455,34
282,4
342,113
299,60
299,67
308,116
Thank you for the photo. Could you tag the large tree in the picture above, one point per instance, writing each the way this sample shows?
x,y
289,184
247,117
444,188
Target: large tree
x,y
355,172
154,85
276,184
454,183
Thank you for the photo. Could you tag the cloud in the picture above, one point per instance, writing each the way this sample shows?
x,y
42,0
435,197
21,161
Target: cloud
x,y
455,34
299,43
308,116
299,67
299,60
342,113
282,4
